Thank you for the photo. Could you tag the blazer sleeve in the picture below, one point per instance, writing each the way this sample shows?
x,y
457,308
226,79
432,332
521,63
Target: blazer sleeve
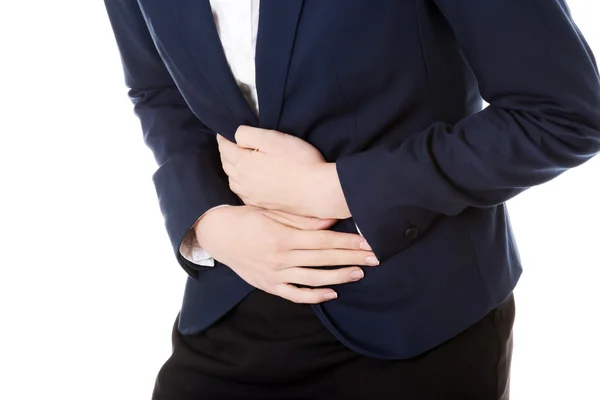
x,y
540,78
189,179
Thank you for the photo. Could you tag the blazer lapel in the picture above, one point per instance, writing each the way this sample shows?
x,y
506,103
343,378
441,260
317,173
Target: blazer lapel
x,y
277,26
196,19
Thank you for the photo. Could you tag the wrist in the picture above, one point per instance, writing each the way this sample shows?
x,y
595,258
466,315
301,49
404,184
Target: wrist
x,y
208,212
329,196
203,223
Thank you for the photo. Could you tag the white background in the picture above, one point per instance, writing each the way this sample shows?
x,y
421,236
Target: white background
x,y
89,287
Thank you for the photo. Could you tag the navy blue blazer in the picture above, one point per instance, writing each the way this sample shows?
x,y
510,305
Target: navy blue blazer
x,y
391,90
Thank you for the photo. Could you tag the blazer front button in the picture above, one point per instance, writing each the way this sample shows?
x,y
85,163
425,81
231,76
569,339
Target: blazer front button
x,y
411,232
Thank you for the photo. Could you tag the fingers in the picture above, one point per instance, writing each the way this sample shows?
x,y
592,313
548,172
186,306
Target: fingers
x,y
314,278
322,277
322,240
304,295
311,223
300,222
331,257
264,140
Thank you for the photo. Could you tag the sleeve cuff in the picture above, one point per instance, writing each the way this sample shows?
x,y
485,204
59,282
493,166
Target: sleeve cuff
x,y
190,248
375,206
187,187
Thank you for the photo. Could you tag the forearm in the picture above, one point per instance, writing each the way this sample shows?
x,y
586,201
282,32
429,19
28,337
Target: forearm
x,y
542,85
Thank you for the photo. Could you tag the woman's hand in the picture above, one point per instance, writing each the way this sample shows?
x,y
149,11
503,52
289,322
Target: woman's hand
x,y
276,171
270,252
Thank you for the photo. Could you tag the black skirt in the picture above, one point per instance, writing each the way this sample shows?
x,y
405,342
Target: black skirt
x,y
270,348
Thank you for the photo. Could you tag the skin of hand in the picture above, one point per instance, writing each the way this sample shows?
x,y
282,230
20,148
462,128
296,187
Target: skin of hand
x,y
274,251
277,171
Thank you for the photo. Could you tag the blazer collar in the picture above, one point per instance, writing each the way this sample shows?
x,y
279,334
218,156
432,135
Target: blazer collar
x,y
277,28
278,22
205,47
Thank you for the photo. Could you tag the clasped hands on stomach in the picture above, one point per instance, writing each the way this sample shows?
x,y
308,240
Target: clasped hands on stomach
x,y
291,197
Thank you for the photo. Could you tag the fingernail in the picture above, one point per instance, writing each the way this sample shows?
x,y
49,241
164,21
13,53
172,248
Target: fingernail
x,y
330,296
372,260
358,274
365,246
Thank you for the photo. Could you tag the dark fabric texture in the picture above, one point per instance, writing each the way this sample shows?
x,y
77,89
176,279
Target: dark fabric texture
x,y
269,348
391,91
